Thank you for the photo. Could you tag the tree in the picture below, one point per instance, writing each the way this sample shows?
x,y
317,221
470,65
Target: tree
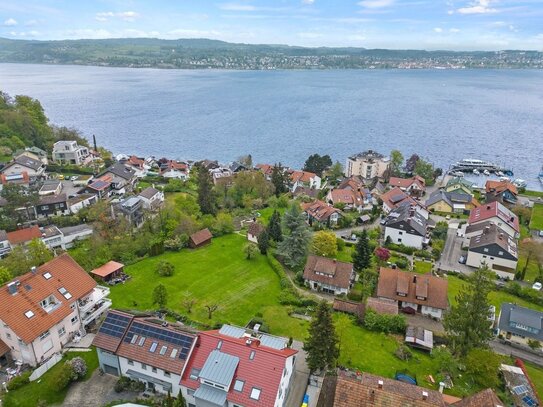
x,y
295,245
530,249
396,161
160,296
206,194
482,365
322,343
383,254
362,253
180,400
411,163
5,275
278,179
524,213
324,243
467,323
188,301
164,268
317,164
211,308
425,170
336,172
250,250
264,241
274,227
246,160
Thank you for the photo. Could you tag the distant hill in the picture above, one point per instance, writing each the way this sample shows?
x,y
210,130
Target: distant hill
x,y
205,53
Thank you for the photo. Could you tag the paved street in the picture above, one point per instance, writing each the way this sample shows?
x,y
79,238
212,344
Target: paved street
x,y
452,252
503,349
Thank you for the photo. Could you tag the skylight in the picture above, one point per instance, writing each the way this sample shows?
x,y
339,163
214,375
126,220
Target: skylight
x,y
142,341
134,339
153,347
163,350
62,290
255,393
174,353
29,314
47,275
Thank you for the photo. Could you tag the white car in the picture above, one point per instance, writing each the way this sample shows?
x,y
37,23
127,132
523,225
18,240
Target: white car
x,y
537,286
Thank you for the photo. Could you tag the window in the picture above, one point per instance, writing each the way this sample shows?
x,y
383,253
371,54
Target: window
x,y
44,335
485,249
130,362
167,374
255,393
174,353
144,366
194,373
153,369
238,385
134,339
252,355
153,347
29,314
163,350
8,335
400,233
190,392
500,253
75,319
61,331
47,275
142,341
219,344
62,290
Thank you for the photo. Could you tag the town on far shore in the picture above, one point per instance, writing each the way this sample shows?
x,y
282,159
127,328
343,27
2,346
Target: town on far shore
x,y
130,280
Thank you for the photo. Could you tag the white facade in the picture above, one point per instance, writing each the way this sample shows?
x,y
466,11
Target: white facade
x,y
173,173
16,169
432,312
402,237
83,203
367,169
173,379
156,200
252,238
315,182
477,259
329,288
69,152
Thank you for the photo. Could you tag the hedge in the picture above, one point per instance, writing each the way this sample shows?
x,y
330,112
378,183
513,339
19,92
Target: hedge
x,y
385,323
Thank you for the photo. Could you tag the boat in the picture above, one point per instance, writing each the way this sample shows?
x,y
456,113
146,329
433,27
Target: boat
x,y
504,179
470,164
520,183
486,172
476,171
459,174
499,173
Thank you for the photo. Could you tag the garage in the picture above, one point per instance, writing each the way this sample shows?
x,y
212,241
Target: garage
x,y
111,370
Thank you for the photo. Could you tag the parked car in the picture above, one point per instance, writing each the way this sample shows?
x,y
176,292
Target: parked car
x,y
537,286
462,260
541,233
74,178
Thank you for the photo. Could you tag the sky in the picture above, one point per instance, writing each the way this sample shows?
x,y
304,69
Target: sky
x,y
394,24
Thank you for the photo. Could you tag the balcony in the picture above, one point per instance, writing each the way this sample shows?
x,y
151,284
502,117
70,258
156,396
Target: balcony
x,y
96,296
99,308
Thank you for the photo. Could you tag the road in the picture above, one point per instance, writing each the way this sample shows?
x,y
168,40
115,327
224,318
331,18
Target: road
x,y
504,349
452,252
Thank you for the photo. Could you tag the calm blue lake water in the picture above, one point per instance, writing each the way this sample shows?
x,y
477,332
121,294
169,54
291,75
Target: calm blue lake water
x,y
443,115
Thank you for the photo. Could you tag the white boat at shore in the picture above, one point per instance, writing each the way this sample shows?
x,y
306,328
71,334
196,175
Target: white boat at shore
x,y
486,172
520,183
476,172
504,178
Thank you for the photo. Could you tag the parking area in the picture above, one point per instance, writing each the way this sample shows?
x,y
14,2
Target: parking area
x,y
452,252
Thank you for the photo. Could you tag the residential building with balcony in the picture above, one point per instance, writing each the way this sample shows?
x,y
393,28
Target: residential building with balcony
x,y
368,164
41,310
69,152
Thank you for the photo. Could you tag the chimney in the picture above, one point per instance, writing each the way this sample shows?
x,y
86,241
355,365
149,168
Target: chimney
x,y
33,269
425,395
488,207
415,279
380,384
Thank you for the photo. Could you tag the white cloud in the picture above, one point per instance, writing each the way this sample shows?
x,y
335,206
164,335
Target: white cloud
x,y
10,22
308,1
123,15
376,3
478,7
237,7
438,30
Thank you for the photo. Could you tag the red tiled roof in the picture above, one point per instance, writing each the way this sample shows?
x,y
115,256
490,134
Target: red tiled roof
x,y
328,271
267,169
111,343
500,186
319,210
413,285
346,196
200,236
24,180
301,176
382,305
136,161
485,398
109,268
24,235
173,165
3,348
33,288
264,371
396,196
353,183
407,182
494,209
351,307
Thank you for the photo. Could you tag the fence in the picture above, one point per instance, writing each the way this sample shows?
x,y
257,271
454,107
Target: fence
x,y
40,371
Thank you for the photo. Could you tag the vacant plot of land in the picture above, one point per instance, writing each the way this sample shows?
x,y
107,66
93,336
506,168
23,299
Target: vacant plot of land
x,y
536,223
218,274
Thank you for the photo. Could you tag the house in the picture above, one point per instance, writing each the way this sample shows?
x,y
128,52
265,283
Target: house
x,y
405,225
518,324
450,202
368,165
200,238
498,214
23,236
319,213
414,186
303,179
425,294
52,187
350,389
100,188
520,386
306,192
504,192
69,152
132,210
208,164
22,179
41,310
237,167
5,247
121,177
359,199
33,152
235,366
145,349
495,248
52,237
393,198
459,185
418,337
173,169
109,271
138,164
73,234
80,201
52,205
222,176
266,169
152,198
329,275
254,231
23,164
383,306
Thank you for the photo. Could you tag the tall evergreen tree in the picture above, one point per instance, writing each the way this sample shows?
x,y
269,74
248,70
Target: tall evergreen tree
x,y
263,241
274,227
278,179
322,343
206,194
362,253
467,323
295,245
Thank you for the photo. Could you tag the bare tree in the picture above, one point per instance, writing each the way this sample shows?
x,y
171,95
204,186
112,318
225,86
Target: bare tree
x,y
211,308
188,301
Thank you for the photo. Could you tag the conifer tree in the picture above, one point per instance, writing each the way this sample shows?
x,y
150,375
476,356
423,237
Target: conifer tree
x,y
295,244
322,343
278,179
263,241
206,194
362,253
274,227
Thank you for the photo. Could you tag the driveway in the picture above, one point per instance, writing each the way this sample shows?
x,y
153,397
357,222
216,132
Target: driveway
x,y
301,377
97,391
452,252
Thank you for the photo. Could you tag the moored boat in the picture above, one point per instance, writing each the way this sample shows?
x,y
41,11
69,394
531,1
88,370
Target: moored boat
x,y
486,172
476,171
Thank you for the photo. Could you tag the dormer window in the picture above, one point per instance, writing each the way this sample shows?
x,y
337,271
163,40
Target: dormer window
x,y
49,303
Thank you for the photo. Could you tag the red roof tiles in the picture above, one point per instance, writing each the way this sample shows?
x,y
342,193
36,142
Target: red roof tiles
x,y
24,235
328,271
491,210
109,268
201,237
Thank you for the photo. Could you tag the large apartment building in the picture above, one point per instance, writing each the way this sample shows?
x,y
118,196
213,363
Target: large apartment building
x,y
69,152
368,165
41,310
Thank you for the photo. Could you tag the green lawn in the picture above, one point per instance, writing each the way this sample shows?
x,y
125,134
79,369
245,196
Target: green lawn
x,y
422,267
496,297
266,213
346,254
533,193
536,375
215,274
41,390
536,223
533,269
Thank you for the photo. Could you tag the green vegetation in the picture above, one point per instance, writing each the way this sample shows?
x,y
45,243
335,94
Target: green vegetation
x,y
422,267
536,222
536,375
42,391
532,193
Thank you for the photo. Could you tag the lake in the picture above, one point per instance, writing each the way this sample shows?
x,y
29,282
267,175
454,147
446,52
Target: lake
x,y
443,115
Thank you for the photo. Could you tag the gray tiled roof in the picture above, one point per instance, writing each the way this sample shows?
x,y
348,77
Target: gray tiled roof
x,y
511,313
219,368
211,395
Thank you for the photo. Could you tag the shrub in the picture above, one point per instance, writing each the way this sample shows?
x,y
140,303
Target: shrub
x,y
79,368
19,381
122,384
385,323
164,269
400,248
340,244
62,377
402,262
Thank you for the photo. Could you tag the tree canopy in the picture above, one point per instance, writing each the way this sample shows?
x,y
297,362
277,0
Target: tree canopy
x,y
322,343
317,163
295,243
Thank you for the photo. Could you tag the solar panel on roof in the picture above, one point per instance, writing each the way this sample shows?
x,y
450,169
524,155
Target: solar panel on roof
x,y
520,389
114,325
529,401
159,333
396,198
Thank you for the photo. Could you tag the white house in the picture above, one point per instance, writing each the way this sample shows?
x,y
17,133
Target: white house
x,y
72,234
303,179
152,198
406,226
69,152
23,164
329,275
498,214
